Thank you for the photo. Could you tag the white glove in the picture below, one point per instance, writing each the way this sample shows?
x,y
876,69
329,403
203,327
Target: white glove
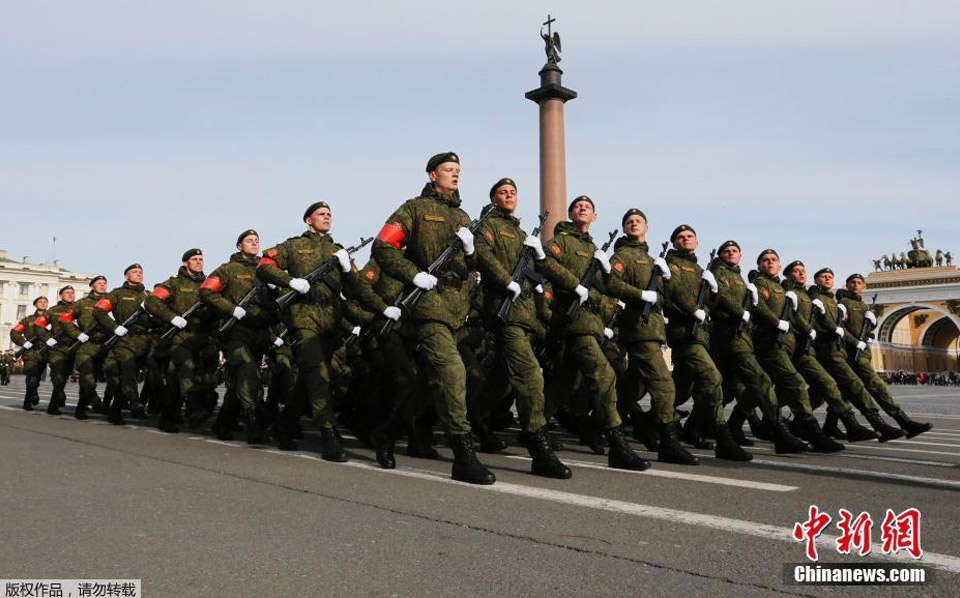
x,y
278,342
783,326
819,305
813,335
839,331
51,342
48,327
514,288
648,296
424,281
608,333
239,312
700,315
746,316
793,298
621,304
27,345
179,322
602,257
666,320
869,315
582,292
861,345
539,289
711,280
344,258
300,285
120,331
82,337
661,264
392,313
753,292
537,247
843,310
466,237
355,331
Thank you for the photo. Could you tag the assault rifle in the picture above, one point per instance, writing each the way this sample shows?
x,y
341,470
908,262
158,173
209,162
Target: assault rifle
x,y
702,297
588,277
323,272
522,271
654,284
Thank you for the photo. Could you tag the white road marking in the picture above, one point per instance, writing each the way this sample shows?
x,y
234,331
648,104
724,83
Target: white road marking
x,y
896,460
863,472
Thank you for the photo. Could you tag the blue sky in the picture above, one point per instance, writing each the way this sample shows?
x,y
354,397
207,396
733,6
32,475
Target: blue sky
x,y
132,131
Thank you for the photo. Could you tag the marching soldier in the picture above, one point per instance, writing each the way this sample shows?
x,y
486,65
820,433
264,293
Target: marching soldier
x,y
134,343
313,318
59,356
30,333
643,337
80,327
858,314
570,253
193,353
413,237
499,247
6,367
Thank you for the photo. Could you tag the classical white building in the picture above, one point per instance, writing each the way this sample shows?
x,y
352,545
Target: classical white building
x,y
22,282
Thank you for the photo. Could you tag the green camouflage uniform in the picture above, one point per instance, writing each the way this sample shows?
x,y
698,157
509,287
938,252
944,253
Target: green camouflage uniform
x,y
130,351
34,361
87,356
863,367
59,356
6,368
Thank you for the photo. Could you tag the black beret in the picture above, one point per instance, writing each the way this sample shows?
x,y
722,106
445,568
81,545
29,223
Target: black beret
x,y
131,267
68,287
680,229
190,253
730,243
823,271
501,183
632,212
98,277
439,159
314,207
249,232
793,265
577,200
38,299
852,276
765,252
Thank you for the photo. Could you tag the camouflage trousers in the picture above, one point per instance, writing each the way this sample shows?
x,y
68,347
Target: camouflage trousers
x,y
789,385
823,388
584,369
695,374
129,354
61,366
874,384
744,378
647,369
33,366
518,372
244,353
446,374
834,360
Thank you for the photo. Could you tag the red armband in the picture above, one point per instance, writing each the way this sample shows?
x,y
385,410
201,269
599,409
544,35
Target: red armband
x,y
212,283
160,293
265,260
66,317
392,234
104,305
41,322
19,328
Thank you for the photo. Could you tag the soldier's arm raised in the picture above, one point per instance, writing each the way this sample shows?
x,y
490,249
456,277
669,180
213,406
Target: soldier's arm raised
x,y
101,312
617,286
156,303
366,297
763,312
555,271
273,265
388,247
211,293
492,271
64,326
724,302
16,333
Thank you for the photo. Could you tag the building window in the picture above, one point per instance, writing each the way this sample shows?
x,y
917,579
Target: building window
x,y
21,312
25,288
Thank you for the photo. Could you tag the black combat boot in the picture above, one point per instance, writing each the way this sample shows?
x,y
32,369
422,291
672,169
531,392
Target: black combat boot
x,y
489,442
95,401
820,442
418,446
82,404
466,467
27,402
53,407
622,456
727,447
383,438
830,427
760,428
912,428
785,442
885,430
735,423
590,436
256,431
545,462
856,432
167,425
645,431
116,412
670,449
137,411
693,431
332,446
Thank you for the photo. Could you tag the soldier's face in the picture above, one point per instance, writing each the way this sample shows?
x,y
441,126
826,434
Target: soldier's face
x,y
68,296
825,281
582,213
320,221
730,256
505,198
856,286
770,264
636,228
194,264
100,287
42,304
249,245
134,276
446,177
799,274
686,241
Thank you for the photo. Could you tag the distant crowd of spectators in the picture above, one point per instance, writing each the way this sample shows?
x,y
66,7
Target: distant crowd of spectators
x,y
922,378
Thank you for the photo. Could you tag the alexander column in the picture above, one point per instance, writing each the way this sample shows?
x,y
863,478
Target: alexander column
x,y
551,96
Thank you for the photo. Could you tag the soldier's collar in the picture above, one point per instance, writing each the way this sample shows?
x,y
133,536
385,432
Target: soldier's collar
x,y
690,256
768,276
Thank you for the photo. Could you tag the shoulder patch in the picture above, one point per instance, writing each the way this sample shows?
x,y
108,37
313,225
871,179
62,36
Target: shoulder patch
x,y
765,293
675,267
555,249
488,235
618,266
370,274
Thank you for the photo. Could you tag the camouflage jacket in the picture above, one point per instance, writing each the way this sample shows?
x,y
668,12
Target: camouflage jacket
x,y
60,317
680,299
174,297
226,286
122,302
413,237
856,308
826,324
29,329
80,318
499,244
569,254
632,268
766,315
727,312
